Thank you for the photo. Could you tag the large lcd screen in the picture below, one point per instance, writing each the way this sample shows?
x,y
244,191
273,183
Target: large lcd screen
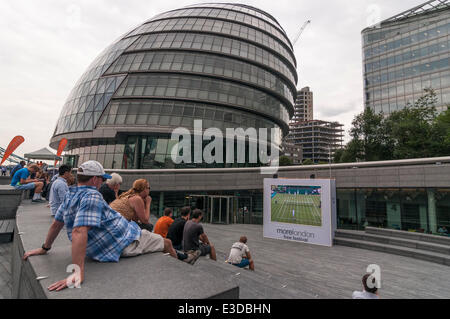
x,y
296,205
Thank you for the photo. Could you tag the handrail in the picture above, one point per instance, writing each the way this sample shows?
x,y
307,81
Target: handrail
x,y
420,161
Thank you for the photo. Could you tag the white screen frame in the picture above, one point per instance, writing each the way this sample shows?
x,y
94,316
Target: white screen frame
x,y
316,235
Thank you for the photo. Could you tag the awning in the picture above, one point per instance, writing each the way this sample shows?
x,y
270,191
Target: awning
x,y
42,154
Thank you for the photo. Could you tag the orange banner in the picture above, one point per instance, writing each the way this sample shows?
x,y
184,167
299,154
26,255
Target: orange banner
x,y
13,145
61,147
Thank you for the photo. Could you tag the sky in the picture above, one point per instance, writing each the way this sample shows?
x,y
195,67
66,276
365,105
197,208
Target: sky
x,y
46,45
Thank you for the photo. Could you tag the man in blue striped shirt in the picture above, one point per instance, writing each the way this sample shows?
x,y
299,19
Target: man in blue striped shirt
x,y
96,230
60,188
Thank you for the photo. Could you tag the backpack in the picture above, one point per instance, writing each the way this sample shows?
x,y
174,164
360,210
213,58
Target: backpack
x,y
46,191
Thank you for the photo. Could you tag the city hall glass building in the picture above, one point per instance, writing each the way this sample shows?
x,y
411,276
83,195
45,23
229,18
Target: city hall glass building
x,y
229,65
406,54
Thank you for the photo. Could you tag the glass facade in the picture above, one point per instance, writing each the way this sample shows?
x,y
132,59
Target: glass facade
x,y
416,210
189,62
211,25
216,44
149,151
402,58
419,210
203,89
178,114
229,15
229,65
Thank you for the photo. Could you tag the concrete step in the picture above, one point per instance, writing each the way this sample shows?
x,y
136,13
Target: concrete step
x,y
252,284
10,200
436,239
396,250
7,230
396,241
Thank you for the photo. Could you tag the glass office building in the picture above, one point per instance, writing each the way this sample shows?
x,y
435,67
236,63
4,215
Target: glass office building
x,y
229,65
406,54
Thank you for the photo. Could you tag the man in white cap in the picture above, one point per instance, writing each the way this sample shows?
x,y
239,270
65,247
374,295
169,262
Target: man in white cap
x,y
111,236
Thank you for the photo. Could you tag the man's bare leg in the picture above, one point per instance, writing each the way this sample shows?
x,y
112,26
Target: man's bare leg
x,y
38,188
212,254
168,248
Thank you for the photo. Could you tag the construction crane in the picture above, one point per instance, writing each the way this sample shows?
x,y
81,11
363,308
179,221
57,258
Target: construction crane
x,y
297,37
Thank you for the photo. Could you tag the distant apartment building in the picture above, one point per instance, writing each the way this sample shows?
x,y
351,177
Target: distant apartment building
x,y
292,151
303,108
406,54
318,139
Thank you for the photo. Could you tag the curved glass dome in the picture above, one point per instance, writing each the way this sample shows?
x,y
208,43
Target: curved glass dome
x,y
230,65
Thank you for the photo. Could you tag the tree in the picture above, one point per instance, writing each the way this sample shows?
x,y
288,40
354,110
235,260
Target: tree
x,y
308,161
351,151
285,161
442,126
337,157
413,130
370,139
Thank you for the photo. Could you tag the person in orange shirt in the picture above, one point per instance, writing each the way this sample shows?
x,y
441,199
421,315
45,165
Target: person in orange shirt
x,y
163,224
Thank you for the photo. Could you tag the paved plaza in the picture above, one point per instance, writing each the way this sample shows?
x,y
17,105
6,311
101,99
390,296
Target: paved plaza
x,y
310,271
305,271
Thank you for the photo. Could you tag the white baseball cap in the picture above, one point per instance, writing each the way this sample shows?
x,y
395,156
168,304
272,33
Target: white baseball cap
x,y
92,168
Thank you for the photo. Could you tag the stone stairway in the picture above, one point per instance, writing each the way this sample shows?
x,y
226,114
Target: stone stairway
x,y
9,201
252,284
6,230
415,245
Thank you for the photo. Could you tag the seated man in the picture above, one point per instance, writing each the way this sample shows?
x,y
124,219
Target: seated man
x,y
110,190
96,230
443,231
193,232
367,293
175,232
240,254
22,181
163,224
59,188
17,167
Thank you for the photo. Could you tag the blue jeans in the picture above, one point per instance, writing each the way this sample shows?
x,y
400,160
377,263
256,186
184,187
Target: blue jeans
x,y
244,263
25,186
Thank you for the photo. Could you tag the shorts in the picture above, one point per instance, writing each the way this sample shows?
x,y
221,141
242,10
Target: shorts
x,y
204,249
244,263
23,187
147,243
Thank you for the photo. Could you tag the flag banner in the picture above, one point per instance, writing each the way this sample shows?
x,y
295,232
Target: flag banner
x,y
13,145
61,147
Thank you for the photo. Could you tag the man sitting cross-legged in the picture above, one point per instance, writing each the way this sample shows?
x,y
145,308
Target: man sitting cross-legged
x,y
84,212
193,232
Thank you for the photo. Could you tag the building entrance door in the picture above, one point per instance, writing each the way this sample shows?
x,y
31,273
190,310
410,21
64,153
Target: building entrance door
x,y
244,211
222,209
199,202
